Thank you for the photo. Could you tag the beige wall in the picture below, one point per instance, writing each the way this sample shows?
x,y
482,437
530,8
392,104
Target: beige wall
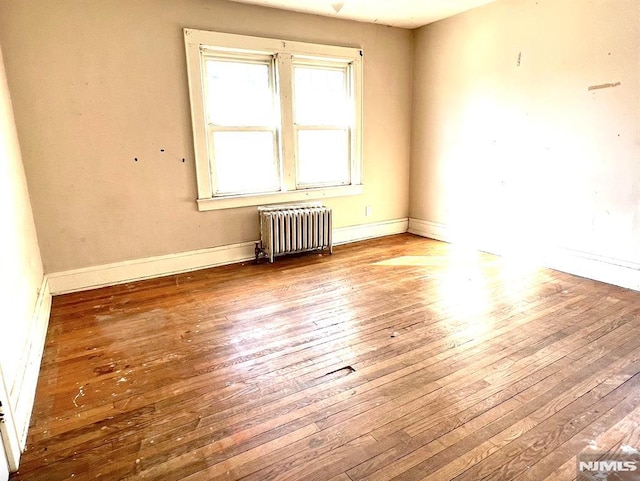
x,y
526,154
96,83
20,265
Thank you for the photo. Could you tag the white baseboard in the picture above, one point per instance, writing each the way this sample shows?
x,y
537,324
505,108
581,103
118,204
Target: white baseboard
x,y
23,392
344,235
138,269
604,269
432,230
149,267
618,272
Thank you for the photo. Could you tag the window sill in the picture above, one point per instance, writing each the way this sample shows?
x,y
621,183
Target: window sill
x,y
233,202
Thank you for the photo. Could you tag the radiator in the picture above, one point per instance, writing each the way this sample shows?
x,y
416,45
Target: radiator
x,y
288,229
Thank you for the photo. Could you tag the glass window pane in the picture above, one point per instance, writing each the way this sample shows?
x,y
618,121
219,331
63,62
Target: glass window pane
x,y
320,96
239,93
323,157
244,162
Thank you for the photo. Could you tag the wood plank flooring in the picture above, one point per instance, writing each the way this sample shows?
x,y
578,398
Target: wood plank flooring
x,y
396,358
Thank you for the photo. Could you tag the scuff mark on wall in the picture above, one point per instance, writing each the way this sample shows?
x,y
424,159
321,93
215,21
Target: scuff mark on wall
x,y
604,86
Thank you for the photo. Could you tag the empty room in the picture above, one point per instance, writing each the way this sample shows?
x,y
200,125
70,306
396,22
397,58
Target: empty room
x,y
319,240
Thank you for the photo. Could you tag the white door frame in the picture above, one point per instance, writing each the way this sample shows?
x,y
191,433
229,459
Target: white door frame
x,y
4,465
8,432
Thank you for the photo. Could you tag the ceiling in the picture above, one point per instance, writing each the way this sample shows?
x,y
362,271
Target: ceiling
x,y
398,13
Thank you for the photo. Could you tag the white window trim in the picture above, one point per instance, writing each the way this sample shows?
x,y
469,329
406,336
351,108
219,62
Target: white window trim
x,y
284,49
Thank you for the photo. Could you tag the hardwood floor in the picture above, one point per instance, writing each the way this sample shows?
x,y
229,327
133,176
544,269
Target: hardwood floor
x,y
396,358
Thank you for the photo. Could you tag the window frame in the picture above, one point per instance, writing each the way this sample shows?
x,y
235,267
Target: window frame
x,y
286,54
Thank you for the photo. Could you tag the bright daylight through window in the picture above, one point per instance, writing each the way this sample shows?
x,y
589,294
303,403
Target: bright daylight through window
x,y
273,120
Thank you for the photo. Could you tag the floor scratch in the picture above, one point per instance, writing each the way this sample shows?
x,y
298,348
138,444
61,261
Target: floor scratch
x,y
80,394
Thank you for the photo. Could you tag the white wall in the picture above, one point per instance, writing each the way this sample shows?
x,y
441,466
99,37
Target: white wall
x,y
21,271
23,294
517,140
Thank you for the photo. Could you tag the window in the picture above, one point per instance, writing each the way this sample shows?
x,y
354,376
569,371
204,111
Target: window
x,y
241,126
273,120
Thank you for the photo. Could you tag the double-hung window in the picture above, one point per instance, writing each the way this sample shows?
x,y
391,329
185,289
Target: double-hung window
x,y
273,120
242,134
